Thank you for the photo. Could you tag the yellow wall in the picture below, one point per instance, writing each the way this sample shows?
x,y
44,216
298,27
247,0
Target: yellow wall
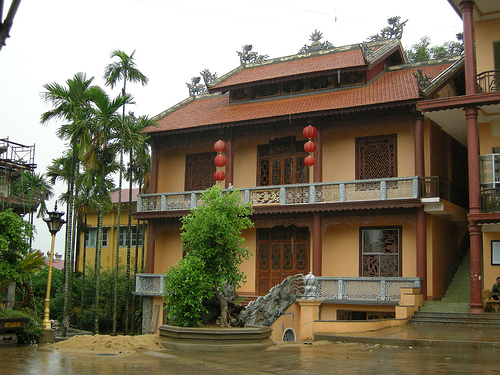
x,y
339,151
486,32
341,249
108,253
168,250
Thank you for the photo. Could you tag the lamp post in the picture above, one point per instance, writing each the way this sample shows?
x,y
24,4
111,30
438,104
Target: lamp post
x,y
54,222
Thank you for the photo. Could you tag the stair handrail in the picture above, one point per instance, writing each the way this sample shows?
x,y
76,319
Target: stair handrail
x,y
456,261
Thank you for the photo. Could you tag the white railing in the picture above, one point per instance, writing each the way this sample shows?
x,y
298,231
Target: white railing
x,y
311,193
149,284
363,289
330,289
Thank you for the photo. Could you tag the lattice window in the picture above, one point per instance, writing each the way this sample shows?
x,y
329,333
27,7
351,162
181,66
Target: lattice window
x,y
200,169
376,157
282,162
380,252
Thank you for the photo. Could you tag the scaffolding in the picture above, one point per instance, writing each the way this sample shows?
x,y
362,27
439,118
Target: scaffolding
x,y
15,158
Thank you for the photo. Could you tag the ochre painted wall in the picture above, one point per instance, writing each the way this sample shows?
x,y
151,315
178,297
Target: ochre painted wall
x,y
339,151
486,32
341,252
168,250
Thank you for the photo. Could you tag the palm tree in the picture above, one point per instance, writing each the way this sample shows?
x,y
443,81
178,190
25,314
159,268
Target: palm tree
x,y
107,129
124,69
71,104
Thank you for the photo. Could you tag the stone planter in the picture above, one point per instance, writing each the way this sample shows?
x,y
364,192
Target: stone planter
x,y
215,339
8,328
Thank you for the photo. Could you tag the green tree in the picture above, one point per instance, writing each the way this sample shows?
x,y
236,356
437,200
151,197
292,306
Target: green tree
x,y
14,246
212,241
70,104
107,129
423,51
125,70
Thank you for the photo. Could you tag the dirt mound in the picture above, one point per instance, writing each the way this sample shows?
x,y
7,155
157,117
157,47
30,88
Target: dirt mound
x,y
109,344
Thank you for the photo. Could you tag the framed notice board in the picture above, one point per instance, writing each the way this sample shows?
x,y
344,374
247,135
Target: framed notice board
x,y
495,253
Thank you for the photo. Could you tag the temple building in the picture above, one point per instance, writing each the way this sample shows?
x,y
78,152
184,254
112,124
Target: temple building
x,y
388,192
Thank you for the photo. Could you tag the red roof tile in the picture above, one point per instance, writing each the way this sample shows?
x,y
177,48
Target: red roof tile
x,y
390,87
276,68
114,195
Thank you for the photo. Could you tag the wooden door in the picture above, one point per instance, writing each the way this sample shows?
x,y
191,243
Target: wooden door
x,y
281,252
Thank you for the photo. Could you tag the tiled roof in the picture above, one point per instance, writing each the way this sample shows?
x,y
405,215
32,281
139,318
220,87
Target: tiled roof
x,y
114,195
277,68
390,87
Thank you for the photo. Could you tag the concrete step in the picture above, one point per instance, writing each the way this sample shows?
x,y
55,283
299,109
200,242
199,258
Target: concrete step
x,y
457,318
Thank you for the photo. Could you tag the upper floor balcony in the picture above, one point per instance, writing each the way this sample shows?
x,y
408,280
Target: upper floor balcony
x,y
373,190
488,81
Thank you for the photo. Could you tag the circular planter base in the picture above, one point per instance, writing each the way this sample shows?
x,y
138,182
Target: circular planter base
x,y
215,339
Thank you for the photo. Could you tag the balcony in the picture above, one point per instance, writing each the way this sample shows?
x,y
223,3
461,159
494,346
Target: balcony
x,y
488,81
283,195
489,178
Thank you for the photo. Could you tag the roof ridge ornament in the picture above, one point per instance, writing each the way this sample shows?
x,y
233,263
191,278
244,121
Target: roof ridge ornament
x,y
393,31
247,56
316,45
423,81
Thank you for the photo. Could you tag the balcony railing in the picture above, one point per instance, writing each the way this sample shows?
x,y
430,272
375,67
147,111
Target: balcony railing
x,y
490,200
330,289
311,193
432,187
149,284
363,289
488,81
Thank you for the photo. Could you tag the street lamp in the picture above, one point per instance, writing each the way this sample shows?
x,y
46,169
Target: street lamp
x,y
54,222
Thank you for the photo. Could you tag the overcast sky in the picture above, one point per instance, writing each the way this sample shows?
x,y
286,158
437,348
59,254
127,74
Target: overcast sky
x,y
51,40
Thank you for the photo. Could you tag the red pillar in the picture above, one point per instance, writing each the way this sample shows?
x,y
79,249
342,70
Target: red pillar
x,y
470,65
476,305
421,220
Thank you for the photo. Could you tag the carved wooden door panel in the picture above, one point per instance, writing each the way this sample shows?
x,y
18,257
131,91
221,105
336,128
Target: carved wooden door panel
x,y
281,252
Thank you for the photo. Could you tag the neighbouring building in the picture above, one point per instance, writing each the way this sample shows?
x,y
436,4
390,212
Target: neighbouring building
x,y
474,119
87,236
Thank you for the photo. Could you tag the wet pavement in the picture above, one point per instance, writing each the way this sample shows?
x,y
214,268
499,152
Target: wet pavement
x,y
454,349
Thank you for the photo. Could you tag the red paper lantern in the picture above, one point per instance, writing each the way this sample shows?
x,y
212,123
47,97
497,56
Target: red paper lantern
x,y
219,176
309,146
220,146
310,132
220,160
309,160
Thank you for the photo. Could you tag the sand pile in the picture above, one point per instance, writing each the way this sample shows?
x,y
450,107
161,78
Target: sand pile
x,y
110,344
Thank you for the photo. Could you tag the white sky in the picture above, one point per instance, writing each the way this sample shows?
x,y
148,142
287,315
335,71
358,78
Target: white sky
x,y
51,40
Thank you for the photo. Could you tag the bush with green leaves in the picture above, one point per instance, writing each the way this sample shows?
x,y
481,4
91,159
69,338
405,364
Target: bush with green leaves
x,y
212,241
32,328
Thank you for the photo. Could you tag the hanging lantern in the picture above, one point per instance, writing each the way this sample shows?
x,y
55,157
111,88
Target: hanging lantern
x,y
219,176
220,160
220,146
310,132
309,146
309,160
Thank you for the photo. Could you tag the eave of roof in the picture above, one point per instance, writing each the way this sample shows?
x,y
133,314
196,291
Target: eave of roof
x,y
393,87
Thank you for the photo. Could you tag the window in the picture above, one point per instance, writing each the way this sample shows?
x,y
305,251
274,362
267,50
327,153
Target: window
x,y
91,237
124,236
376,157
380,252
200,169
282,162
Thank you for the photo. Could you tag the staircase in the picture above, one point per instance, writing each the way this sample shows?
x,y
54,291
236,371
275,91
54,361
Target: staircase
x,y
457,297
